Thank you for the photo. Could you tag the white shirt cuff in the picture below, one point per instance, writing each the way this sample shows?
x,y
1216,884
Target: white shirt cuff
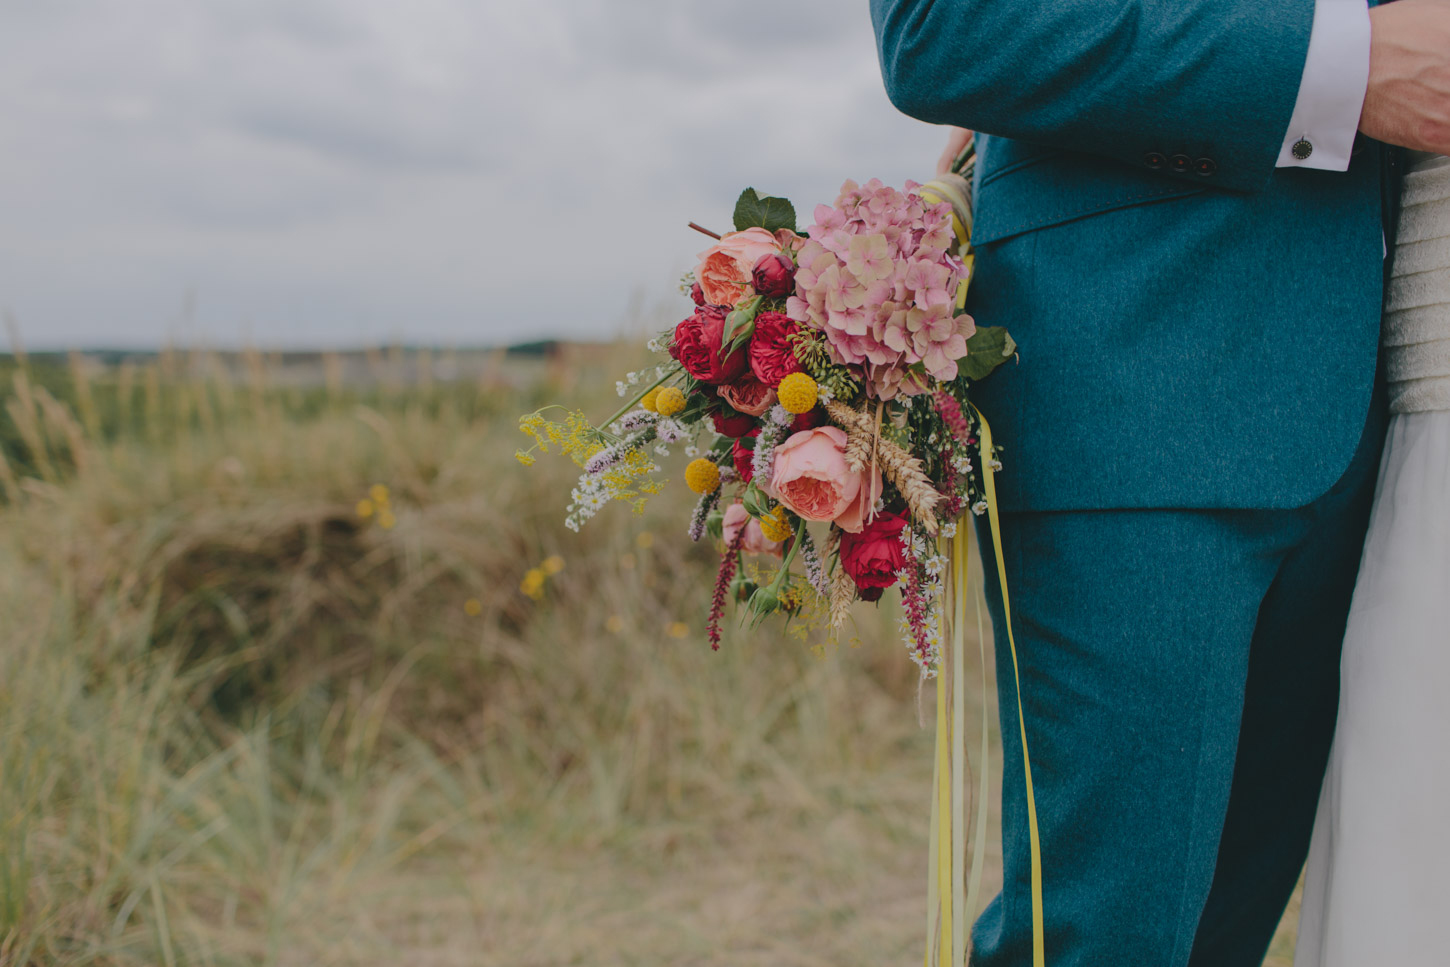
x,y
1331,93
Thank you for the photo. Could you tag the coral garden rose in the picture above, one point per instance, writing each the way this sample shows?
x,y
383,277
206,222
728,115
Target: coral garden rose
x,y
772,355
748,395
725,268
809,474
873,556
731,423
754,541
698,346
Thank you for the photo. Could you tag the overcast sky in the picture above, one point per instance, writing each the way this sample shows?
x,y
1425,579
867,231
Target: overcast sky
x,y
339,172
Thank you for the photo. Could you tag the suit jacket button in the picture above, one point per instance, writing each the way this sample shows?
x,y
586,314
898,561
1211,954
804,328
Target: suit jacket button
x,y
1155,160
1180,163
1205,167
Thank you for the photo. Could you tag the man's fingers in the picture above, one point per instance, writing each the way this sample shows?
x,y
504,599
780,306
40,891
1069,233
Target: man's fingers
x,y
957,139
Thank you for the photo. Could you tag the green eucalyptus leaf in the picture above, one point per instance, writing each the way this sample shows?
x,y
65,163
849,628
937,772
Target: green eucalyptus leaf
x,y
763,211
989,347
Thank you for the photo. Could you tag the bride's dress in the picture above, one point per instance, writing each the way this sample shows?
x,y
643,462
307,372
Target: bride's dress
x,y
1377,889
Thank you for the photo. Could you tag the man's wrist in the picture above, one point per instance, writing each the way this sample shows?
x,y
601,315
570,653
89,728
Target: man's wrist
x,y
1331,93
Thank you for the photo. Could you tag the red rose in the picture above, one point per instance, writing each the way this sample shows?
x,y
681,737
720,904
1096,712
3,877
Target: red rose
x,y
698,343
872,557
773,276
744,457
698,294
808,420
772,356
732,423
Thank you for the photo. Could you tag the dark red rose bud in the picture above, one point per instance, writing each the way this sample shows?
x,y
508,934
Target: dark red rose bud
x,y
698,346
698,294
872,557
732,423
808,420
744,458
870,594
773,276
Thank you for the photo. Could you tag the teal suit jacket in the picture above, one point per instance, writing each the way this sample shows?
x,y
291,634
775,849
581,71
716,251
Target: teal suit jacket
x,y
1197,328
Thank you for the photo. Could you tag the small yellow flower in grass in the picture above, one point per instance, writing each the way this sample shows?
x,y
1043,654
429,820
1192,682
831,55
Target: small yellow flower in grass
x,y
671,400
364,508
648,401
386,520
678,629
473,607
797,393
644,540
379,494
702,476
614,624
776,526
552,565
533,583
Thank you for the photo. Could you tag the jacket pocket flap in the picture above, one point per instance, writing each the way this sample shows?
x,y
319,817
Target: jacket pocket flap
x,y
1051,189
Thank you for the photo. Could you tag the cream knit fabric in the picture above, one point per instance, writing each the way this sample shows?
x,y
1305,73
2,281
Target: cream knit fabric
x,y
1416,334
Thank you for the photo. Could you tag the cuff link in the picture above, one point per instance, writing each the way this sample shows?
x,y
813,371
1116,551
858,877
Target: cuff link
x,y
1302,149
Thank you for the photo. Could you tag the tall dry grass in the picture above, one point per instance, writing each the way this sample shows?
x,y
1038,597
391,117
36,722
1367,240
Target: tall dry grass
x,y
241,724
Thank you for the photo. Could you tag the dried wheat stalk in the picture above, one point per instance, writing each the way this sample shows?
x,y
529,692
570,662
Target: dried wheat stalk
x,y
905,471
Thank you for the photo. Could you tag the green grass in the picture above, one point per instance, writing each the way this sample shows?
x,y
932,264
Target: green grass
x,y
241,725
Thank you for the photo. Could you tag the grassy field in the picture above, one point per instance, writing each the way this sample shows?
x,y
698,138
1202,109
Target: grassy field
x,y
242,724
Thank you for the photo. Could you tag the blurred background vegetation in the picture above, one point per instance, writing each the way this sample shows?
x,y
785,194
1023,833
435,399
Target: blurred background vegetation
x,y
300,667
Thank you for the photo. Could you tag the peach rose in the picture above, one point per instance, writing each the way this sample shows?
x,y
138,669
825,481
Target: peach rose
x,y
724,269
809,475
754,542
748,395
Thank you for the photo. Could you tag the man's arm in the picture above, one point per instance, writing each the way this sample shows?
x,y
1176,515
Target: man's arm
x,y
1164,84
1331,95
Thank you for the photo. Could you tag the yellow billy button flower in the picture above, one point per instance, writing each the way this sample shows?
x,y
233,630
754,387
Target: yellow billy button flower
x,y
648,402
702,476
379,493
669,401
364,508
798,393
775,526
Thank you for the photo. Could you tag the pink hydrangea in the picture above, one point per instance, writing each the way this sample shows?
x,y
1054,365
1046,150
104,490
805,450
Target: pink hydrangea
x,y
878,276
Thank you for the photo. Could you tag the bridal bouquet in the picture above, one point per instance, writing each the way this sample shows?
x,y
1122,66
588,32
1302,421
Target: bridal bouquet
x,y
821,381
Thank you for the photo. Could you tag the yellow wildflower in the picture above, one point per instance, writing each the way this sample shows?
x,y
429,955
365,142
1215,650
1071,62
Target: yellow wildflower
x,y
648,401
552,565
797,393
644,540
379,494
671,400
386,520
364,508
524,457
614,624
677,629
473,607
775,526
702,476
533,584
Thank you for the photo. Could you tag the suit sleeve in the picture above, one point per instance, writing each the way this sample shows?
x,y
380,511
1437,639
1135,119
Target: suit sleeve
x,y
1198,89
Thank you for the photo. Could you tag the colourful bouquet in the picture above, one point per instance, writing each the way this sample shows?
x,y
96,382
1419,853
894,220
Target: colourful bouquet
x,y
825,379
821,379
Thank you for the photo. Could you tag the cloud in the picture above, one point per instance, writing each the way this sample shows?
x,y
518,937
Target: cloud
x,y
336,171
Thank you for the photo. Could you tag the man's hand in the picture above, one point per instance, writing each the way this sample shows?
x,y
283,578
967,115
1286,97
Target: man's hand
x,y
956,142
1408,100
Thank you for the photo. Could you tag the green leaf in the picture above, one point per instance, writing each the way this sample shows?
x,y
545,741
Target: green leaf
x,y
756,503
989,347
763,211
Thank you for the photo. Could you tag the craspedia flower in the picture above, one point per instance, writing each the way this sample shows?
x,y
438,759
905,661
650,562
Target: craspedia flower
x,y
364,508
775,525
702,476
798,393
669,401
379,493
648,401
